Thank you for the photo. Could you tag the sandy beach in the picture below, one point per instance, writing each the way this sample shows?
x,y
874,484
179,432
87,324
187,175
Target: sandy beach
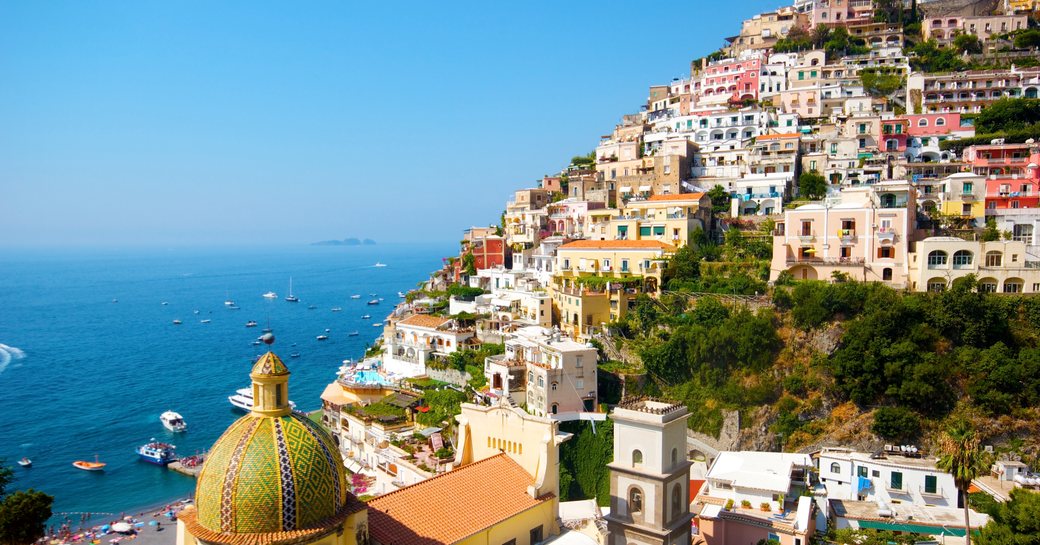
x,y
152,527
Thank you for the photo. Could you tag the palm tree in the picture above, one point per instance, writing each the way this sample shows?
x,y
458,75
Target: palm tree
x,y
960,456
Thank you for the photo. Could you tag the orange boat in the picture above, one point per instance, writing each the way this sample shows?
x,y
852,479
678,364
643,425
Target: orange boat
x,y
89,466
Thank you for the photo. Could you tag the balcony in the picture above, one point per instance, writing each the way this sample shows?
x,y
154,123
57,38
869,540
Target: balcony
x,y
847,236
886,236
830,261
937,493
807,239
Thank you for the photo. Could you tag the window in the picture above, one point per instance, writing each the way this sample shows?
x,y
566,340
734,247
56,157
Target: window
x,y
930,484
861,471
675,456
555,408
578,362
940,122
962,259
936,259
835,467
606,264
966,188
624,265
896,481
966,210
553,386
1012,285
536,535
936,285
677,507
644,231
659,230
635,501
579,384
922,122
541,382
886,252
637,457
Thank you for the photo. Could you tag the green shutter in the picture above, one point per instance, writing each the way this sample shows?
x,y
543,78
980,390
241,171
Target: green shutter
x,y
930,484
897,480
659,230
644,231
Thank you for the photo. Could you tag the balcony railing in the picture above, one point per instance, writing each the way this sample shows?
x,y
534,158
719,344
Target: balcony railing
x,y
886,236
832,261
806,239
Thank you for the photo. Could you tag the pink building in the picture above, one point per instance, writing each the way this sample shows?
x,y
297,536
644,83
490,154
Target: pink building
x,y
932,124
894,133
1012,174
570,217
842,12
729,80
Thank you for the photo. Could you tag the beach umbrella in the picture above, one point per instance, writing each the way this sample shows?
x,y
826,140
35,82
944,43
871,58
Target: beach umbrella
x,y
122,527
153,523
138,524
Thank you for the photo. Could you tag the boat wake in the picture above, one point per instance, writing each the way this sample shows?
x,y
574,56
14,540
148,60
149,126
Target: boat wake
x,y
9,354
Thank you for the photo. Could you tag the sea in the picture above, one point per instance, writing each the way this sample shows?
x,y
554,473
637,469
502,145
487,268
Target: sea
x,y
90,356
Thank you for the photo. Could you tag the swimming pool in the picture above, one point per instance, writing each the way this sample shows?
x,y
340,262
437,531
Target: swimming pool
x,y
369,377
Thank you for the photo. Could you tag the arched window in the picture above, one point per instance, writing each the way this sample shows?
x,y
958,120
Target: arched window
x,y
635,501
994,259
675,456
554,386
637,458
937,259
939,122
962,259
676,500
937,284
555,408
835,468
922,122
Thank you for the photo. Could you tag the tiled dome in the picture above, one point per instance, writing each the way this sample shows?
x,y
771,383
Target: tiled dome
x,y
271,473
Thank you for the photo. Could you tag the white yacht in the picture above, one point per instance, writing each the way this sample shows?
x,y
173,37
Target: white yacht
x,y
173,421
243,400
270,295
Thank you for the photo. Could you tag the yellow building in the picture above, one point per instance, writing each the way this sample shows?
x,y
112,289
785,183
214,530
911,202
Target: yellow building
x,y
273,477
964,194
665,218
596,281
507,491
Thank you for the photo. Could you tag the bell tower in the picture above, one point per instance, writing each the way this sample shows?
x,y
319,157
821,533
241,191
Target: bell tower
x,y
650,475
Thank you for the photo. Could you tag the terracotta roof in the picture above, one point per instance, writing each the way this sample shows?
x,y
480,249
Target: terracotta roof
x,y
189,516
679,197
777,136
425,320
454,505
616,244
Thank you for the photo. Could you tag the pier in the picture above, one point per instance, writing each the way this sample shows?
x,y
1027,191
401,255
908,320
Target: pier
x,y
188,465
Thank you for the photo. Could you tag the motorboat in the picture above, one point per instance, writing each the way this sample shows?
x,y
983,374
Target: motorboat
x,y
243,400
89,466
352,334
374,302
312,307
25,462
164,303
294,355
157,453
372,294
177,322
378,264
355,296
115,300
377,324
322,337
205,321
257,343
327,330
401,294
251,323
270,295
291,298
173,421
196,311
228,301
336,309
366,317
234,307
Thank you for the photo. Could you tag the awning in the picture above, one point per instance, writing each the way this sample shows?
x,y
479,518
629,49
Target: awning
x,y
626,189
711,511
352,466
334,394
645,188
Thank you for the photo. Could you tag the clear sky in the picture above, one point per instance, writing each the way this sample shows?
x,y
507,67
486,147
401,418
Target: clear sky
x,y
201,123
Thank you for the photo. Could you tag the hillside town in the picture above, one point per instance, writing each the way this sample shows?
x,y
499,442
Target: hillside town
x,y
830,140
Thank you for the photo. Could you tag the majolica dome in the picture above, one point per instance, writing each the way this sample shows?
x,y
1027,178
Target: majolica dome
x,y
273,471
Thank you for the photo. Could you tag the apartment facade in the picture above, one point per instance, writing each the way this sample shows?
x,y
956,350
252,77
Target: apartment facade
x,y
999,266
411,343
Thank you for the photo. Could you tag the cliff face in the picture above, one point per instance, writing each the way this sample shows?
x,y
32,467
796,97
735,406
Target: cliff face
x,y
958,8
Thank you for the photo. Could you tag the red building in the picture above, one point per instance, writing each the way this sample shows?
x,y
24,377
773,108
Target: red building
x,y
488,251
1011,172
894,133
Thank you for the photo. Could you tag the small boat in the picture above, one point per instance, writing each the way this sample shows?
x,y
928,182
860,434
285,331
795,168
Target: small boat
x,y
401,294
270,295
312,307
291,298
176,322
355,296
377,324
234,307
25,462
380,299
294,355
243,399
366,317
164,303
267,330
323,337
196,311
378,264
115,300
372,294
352,334
374,302
251,323
327,330
173,421
257,343
228,301
157,453
336,309
205,321
89,466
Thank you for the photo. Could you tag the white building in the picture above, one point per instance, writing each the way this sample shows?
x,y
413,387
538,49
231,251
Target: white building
x,y
758,477
410,343
861,476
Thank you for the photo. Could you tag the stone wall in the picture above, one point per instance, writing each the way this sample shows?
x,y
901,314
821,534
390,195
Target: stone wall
x,y
449,375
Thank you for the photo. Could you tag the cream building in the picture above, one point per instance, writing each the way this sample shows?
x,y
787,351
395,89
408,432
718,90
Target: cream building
x,y
964,194
665,218
413,341
999,266
862,231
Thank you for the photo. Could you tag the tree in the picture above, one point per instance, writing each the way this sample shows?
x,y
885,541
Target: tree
x,y
1028,39
23,517
967,42
896,423
961,457
1015,522
812,185
719,199
6,477
1008,114
880,83
469,264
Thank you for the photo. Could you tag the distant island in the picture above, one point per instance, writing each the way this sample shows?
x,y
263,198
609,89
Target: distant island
x,y
345,242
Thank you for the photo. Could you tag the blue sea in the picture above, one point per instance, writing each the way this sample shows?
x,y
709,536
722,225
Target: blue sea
x,y
103,358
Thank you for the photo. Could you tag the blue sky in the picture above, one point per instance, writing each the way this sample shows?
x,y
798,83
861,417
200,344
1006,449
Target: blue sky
x,y
210,123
